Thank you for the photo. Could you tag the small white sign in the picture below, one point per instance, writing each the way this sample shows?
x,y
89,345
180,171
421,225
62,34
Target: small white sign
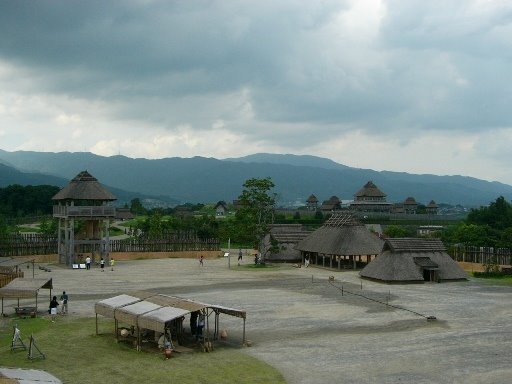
x,y
226,254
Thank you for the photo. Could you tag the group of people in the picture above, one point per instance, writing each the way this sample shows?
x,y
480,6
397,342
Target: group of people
x,y
54,305
102,263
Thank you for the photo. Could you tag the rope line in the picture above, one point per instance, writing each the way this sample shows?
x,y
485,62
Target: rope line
x,y
381,302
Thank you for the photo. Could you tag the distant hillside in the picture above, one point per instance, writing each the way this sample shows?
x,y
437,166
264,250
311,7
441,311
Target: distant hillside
x,y
205,180
296,160
10,176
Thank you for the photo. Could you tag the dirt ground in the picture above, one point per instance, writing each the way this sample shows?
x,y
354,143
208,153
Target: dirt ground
x,y
319,331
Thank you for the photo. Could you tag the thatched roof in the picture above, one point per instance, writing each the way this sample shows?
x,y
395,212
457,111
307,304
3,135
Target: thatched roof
x,y
410,201
312,199
342,235
25,288
288,233
84,186
403,260
369,190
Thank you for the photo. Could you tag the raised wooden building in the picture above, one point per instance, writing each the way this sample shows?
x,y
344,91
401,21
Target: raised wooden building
x,y
84,211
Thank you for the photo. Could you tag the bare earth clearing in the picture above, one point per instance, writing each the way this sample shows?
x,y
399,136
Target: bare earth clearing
x,y
303,326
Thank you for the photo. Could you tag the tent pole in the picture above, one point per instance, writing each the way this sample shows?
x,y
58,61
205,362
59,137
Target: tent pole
x,y
243,337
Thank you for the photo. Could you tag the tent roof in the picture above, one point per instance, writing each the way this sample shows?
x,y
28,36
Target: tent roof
x,y
25,288
157,320
177,302
107,307
153,311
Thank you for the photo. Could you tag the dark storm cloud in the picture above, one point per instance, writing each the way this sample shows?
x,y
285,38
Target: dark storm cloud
x,y
418,66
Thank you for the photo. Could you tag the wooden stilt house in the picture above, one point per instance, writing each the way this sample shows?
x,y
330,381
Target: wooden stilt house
x,y
84,210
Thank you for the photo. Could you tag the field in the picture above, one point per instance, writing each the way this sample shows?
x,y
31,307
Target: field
x,y
310,329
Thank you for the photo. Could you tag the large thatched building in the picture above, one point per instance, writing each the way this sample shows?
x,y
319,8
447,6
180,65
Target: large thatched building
x,y
341,242
412,260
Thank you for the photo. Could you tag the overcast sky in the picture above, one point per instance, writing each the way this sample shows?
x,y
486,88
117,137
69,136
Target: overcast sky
x,y
416,86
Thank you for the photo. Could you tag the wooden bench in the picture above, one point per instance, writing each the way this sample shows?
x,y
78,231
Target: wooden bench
x,y
25,311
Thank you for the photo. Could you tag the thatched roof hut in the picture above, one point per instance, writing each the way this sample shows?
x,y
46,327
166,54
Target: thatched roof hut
x,y
341,237
84,186
412,260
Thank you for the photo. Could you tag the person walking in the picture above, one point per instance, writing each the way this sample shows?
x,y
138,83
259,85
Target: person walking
x,y
239,256
64,300
54,304
88,262
201,260
102,264
112,262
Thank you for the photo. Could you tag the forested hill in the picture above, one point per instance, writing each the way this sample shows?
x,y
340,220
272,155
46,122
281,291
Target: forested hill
x,y
205,180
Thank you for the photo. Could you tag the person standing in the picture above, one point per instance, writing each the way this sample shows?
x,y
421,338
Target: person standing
x,y
239,256
88,262
102,264
64,300
200,326
112,262
54,304
201,260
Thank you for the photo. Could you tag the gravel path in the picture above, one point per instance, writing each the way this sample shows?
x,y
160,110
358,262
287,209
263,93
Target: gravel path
x,y
299,321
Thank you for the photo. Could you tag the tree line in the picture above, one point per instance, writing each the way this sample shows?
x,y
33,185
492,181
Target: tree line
x,y
489,226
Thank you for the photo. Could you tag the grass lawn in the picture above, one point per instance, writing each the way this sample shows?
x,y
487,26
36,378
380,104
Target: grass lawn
x,y
75,354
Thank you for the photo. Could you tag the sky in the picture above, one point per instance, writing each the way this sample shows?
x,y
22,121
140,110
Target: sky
x,y
400,85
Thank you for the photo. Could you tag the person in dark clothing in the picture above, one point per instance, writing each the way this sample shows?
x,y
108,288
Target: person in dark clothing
x,y
54,304
193,322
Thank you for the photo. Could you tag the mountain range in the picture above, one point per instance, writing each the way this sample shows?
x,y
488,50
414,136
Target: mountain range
x,y
208,180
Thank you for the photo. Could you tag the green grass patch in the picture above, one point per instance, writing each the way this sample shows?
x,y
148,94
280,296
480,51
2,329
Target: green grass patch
x,y
113,231
75,354
500,277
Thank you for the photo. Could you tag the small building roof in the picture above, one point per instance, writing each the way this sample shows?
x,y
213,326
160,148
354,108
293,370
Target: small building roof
x,y
25,288
84,186
410,201
404,259
312,199
370,190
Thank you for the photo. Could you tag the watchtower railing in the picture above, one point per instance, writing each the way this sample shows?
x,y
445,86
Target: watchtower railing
x,y
83,211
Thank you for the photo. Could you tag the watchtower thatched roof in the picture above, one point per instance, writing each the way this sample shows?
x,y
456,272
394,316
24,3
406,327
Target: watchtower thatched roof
x,y
84,186
409,260
342,235
369,190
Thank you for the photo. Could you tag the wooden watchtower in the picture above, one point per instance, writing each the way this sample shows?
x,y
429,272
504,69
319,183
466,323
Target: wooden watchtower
x,y
84,211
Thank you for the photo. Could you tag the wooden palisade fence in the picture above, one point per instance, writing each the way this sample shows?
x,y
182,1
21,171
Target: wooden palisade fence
x,y
481,255
36,244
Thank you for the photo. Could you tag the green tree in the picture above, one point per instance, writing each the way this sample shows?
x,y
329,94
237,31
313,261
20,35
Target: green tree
x,y
256,215
497,215
395,231
136,207
48,226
